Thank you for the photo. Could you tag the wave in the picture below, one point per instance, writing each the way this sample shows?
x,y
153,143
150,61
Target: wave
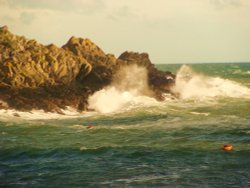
x,y
238,71
111,99
128,90
200,113
10,114
129,93
190,84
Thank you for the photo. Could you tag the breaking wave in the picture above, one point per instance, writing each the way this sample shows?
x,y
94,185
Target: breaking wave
x,y
126,94
190,84
130,90
111,99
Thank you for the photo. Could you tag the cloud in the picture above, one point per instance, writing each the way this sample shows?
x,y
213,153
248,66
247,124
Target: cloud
x,y
164,28
80,6
121,13
27,18
220,4
7,19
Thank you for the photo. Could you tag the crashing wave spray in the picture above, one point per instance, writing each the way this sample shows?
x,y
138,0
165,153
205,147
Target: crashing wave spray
x,y
130,88
190,84
132,78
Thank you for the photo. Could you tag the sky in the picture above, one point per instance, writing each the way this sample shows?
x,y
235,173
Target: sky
x,y
171,31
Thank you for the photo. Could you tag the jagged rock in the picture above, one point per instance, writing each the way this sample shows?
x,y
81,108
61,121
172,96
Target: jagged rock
x,y
34,76
26,63
83,47
136,58
160,82
91,52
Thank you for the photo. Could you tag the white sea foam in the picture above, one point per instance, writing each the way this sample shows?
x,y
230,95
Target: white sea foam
x,y
200,113
238,71
110,100
190,84
10,114
129,90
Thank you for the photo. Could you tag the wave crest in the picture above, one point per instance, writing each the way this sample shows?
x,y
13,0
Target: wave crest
x,y
190,84
129,90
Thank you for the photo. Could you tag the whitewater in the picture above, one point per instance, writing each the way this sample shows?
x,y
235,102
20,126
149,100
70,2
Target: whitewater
x,y
126,94
131,139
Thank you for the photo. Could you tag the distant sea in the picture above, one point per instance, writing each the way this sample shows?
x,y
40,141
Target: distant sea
x,y
139,142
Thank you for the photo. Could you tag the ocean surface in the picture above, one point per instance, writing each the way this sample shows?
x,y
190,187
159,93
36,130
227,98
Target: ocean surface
x,y
134,141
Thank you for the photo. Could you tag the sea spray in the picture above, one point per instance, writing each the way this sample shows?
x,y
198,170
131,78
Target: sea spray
x,y
174,144
190,84
129,88
132,78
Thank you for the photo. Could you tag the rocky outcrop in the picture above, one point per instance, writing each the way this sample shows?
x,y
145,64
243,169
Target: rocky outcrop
x,y
28,64
34,76
103,66
159,82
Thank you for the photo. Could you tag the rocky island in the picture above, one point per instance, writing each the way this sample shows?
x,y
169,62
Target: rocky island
x,y
50,78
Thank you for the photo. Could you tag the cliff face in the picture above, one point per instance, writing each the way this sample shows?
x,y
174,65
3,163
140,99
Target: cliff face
x,y
34,76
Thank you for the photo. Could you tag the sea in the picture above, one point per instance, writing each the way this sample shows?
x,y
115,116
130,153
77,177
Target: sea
x,y
132,140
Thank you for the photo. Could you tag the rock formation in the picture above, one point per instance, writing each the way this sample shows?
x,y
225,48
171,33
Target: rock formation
x,y
27,64
34,76
159,82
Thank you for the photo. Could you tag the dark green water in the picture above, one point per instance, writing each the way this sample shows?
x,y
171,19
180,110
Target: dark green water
x,y
176,143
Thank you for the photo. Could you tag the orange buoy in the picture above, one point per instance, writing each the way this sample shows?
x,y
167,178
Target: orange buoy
x,y
227,147
90,127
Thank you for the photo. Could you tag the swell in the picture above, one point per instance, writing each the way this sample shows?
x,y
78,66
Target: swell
x,y
143,165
